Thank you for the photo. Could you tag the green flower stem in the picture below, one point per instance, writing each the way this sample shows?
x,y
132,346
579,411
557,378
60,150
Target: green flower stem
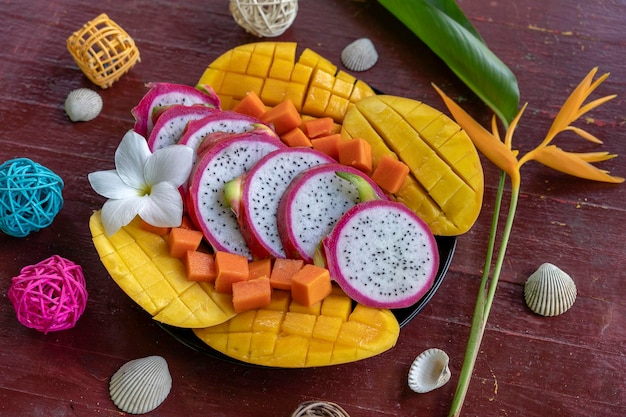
x,y
484,302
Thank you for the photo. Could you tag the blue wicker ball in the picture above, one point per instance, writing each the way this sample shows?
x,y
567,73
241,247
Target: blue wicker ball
x,y
30,197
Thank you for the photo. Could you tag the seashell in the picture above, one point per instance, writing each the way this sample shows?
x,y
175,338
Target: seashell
x,y
360,55
83,104
429,371
141,385
549,291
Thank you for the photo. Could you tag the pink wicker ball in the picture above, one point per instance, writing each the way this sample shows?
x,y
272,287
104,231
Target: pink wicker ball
x,y
50,295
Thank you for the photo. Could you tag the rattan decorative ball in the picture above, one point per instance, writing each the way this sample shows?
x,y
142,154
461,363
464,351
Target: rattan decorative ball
x,y
264,18
103,50
319,409
31,196
50,295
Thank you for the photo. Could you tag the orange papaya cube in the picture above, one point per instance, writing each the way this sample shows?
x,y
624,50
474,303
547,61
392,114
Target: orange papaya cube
x,y
283,271
319,126
200,266
260,268
161,231
310,285
230,268
250,105
284,116
328,145
180,240
390,174
357,153
251,294
296,137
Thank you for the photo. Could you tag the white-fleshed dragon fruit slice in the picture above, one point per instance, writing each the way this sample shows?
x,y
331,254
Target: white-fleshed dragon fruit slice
x,y
222,121
226,159
382,254
167,94
171,124
255,196
312,205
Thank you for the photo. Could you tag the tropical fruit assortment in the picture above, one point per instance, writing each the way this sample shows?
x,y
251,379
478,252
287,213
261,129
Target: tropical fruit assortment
x,y
310,210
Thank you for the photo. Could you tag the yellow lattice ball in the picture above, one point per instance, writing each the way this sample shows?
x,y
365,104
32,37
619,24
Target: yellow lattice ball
x,y
264,18
103,50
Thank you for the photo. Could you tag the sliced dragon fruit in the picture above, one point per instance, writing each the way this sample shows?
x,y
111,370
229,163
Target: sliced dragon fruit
x,y
228,158
171,123
167,94
255,196
312,204
382,254
222,121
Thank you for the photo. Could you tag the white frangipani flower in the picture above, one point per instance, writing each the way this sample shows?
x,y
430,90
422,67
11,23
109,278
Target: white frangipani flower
x,y
143,183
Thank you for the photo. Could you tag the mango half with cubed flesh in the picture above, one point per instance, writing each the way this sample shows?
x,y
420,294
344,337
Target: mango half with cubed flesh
x,y
286,334
139,262
445,183
271,70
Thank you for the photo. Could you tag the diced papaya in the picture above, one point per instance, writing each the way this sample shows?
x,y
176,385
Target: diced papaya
x,y
316,127
200,266
284,116
230,268
251,294
181,240
310,285
328,145
250,105
283,271
161,231
296,137
390,174
260,268
356,153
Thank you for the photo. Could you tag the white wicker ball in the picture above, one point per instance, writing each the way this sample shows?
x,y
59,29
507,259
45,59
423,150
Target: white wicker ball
x,y
264,18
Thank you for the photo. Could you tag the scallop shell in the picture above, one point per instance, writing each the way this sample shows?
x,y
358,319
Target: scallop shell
x,y
429,371
360,55
141,385
549,291
83,104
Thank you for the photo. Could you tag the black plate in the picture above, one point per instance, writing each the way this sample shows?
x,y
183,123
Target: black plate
x,y
445,245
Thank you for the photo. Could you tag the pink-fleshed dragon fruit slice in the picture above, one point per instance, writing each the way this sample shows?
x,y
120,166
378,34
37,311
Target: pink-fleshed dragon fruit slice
x,y
313,203
222,121
255,196
171,124
381,253
167,94
227,158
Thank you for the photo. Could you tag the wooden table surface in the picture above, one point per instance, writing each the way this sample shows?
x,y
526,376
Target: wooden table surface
x,y
570,365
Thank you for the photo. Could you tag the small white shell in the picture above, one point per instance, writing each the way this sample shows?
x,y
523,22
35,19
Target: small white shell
x,y
141,385
429,371
549,291
360,55
83,104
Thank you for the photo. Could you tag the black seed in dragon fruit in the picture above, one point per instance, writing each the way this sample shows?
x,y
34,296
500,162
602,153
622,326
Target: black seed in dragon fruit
x,y
312,204
172,122
161,95
256,195
230,157
382,255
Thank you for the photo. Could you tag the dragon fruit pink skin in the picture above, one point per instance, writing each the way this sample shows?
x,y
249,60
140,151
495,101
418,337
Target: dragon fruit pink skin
x,y
230,157
312,205
167,94
256,195
222,121
171,123
382,255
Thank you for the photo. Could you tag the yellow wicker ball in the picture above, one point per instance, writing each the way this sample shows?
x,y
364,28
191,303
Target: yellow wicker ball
x,y
264,18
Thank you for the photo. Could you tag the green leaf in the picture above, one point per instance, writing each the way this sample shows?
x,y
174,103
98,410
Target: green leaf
x,y
441,25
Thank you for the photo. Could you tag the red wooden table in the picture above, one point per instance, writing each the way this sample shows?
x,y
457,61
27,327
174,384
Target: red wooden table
x,y
571,365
